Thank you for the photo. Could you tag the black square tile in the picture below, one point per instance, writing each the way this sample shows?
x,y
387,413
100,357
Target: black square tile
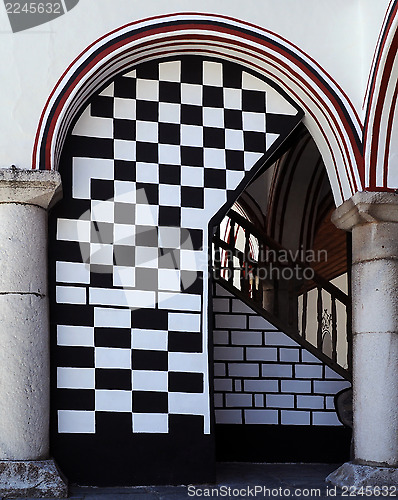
x,y
157,318
75,357
147,111
191,239
146,279
92,147
169,133
124,213
233,119
113,379
214,138
192,197
124,87
147,193
147,152
101,276
185,382
124,129
191,115
101,232
124,170
255,142
112,337
123,255
169,92
73,315
191,156
170,174
213,97
169,258
146,236
72,251
150,402
254,101
150,360
192,282
102,189
169,216
232,76
102,106
192,70
235,160
148,70
184,342
74,399
215,178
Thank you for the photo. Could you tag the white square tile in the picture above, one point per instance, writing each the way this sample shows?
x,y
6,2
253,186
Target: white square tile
x,y
125,191
233,99
124,150
79,336
192,176
118,401
147,172
169,195
145,380
72,272
188,404
70,295
254,121
123,276
169,279
147,215
179,301
250,159
101,254
79,422
234,177
152,340
98,127
75,378
184,322
212,73
191,94
85,169
214,158
170,71
213,117
154,423
73,230
169,112
191,135
234,139
105,317
124,108
146,257
169,237
147,131
102,211
147,90
110,357
169,154
124,234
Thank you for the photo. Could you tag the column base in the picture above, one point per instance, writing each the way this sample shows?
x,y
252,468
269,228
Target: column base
x,y
37,479
350,474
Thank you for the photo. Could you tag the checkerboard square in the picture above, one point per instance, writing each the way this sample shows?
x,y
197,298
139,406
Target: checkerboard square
x,y
169,195
191,71
213,117
233,119
124,276
192,197
231,77
147,111
169,279
147,71
192,176
150,360
124,150
191,115
169,154
234,140
113,379
213,97
146,236
124,129
124,213
147,215
124,109
169,133
254,141
212,73
146,257
213,138
123,255
125,192
170,92
191,239
192,157
254,122
146,279
101,189
169,258
150,402
124,170
170,174
147,90
170,71
102,107
169,113
147,152
147,173
101,254
233,99
124,234
191,94
169,237
253,100
235,160
124,87
215,178
191,135
146,132
169,216
101,232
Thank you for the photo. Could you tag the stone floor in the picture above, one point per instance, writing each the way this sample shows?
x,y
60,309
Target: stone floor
x,y
280,481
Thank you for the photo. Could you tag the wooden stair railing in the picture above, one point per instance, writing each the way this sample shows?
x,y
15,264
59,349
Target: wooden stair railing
x,y
309,310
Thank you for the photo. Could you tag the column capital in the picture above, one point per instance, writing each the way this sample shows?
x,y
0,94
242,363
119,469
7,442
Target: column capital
x,y
42,188
366,207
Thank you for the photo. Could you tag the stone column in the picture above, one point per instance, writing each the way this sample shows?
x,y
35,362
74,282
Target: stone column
x,y
25,465
373,220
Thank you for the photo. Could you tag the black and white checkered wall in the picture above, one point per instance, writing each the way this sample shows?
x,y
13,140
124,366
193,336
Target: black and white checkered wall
x,y
155,155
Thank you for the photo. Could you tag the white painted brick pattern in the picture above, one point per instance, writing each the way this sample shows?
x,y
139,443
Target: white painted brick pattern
x,y
262,376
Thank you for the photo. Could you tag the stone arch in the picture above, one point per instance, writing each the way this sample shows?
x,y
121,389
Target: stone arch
x,y
329,114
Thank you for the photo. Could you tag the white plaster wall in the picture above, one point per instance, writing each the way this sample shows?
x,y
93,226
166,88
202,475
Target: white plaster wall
x,y
33,60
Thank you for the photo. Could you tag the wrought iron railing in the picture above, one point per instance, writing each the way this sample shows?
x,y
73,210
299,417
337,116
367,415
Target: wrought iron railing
x,y
286,291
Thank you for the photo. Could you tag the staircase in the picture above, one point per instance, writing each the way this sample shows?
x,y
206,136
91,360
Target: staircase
x,y
280,286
